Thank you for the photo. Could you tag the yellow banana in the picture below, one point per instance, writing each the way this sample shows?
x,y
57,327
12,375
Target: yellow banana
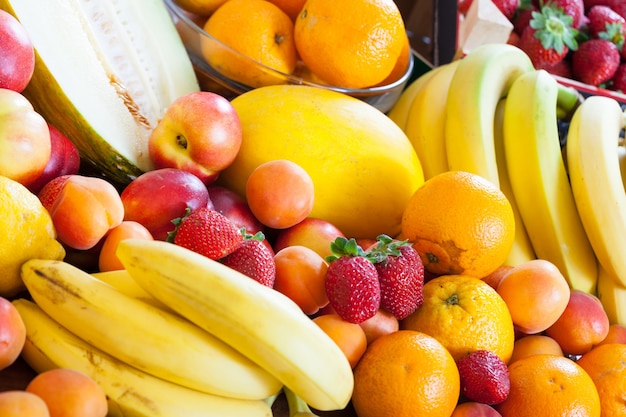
x,y
400,110
131,392
612,295
539,179
522,250
124,283
425,125
596,180
482,78
259,321
160,343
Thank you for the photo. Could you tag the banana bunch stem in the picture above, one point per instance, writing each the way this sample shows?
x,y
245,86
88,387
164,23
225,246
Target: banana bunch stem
x,y
297,406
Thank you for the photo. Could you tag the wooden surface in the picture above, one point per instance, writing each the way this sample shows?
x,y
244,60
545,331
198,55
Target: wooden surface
x,y
18,375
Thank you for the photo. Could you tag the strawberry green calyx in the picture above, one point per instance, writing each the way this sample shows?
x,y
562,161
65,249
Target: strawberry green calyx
x,y
176,222
553,28
342,246
249,236
615,33
386,246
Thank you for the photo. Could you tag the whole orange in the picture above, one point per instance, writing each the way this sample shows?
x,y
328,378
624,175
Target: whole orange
x,y
405,374
550,386
465,314
254,32
605,366
460,223
352,44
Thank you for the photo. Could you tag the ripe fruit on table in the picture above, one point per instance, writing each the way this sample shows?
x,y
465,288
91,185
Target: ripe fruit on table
x,y
20,403
17,56
405,374
254,258
350,337
83,209
460,223
316,234
534,344
235,207
474,409
107,259
200,7
13,333
379,324
200,132
465,314
343,143
24,138
484,377
157,197
64,160
28,226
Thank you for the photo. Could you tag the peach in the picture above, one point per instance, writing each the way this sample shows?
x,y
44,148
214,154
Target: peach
x,y
350,337
69,393
311,232
107,259
474,409
616,334
583,324
83,209
536,293
379,324
300,274
12,333
22,404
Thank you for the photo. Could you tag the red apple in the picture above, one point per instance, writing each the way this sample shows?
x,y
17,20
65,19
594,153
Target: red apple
x,y
25,145
17,55
157,197
235,207
12,333
200,132
64,160
313,233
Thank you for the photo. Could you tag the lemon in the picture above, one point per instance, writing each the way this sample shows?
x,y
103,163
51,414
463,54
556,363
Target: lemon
x,y
364,168
26,232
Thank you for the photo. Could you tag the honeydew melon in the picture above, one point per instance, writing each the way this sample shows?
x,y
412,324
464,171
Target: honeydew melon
x,y
105,72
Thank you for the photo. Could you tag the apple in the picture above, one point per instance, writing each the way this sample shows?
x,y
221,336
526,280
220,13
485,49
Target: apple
x,y
200,132
17,55
25,145
64,160
234,207
13,334
157,197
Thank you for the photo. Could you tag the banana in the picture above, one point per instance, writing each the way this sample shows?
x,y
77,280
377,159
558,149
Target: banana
x,y
131,392
400,110
160,343
425,125
124,283
596,180
482,78
612,295
522,250
539,179
259,321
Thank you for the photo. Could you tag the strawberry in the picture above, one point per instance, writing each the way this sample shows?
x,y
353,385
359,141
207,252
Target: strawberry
x,y
253,258
618,83
207,232
595,61
523,18
400,274
484,377
548,37
573,8
351,282
603,19
507,7
562,68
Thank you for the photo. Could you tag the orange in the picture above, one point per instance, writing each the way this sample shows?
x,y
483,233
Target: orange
x,y
260,33
465,314
605,366
405,374
460,223
291,7
550,386
402,64
351,44
533,345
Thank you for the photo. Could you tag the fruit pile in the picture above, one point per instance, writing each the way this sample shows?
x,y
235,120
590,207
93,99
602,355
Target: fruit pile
x,y
581,40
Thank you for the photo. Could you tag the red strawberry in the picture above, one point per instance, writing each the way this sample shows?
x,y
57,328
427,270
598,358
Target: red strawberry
x,y
207,232
605,19
595,61
618,82
573,8
522,19
548,37
484,377
507,7
253,258
401,276
351,283
562,68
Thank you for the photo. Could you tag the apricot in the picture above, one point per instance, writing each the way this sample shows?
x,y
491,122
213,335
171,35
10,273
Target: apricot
x,y
583,324
69,393
83,209
107,259
496,276
534,344
350,337
536,293
379,324
474,409
22,404
12,333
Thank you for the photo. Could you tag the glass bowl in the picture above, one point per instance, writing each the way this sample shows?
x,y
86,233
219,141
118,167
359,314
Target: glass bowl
x,y
196,40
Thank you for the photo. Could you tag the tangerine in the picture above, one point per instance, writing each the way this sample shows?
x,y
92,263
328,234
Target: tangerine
x,y
351,44
460,224
405,374
465,314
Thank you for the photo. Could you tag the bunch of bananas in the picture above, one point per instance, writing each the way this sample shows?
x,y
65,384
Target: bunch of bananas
x,y
493,114
177,334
